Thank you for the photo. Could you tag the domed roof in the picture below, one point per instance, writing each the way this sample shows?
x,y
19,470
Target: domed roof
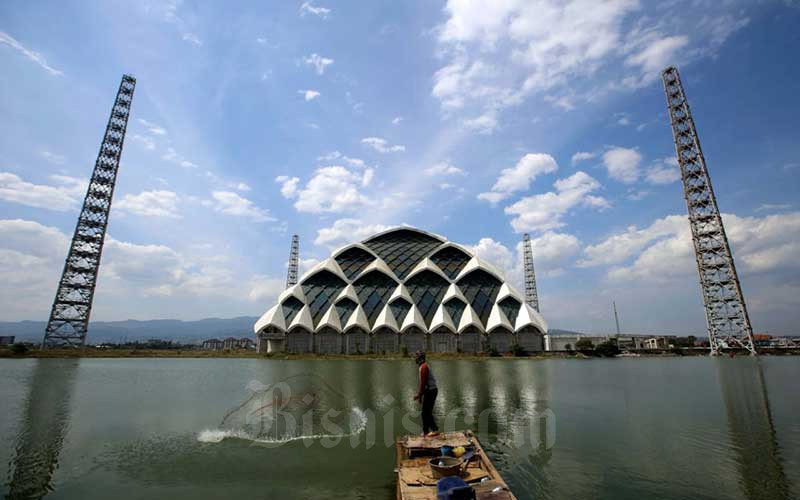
x,y
396,272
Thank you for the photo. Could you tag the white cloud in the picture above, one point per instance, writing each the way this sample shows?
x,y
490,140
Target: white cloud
x,y
152,127
33,56
193,39
242,187
172,156
655,54
309,8
147,142
483,124
230,203
63,196
520,176
318,62
552,252
581,156
309,95
345,231
332,189
664,171
133,277
622,164
337,156
54,158
381,145
663,251
443,168
497,54
622,119
771,207
396,120
158,203
288,185
546,211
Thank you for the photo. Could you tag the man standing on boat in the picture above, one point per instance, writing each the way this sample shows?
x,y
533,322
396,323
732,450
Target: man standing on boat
x,y
426,395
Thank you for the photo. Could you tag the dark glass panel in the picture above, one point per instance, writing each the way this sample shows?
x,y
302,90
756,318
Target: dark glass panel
x,y
400,308
345,308
480,289
450,260
402,249
373,290
510,307
320,290
290,308
455,308
353,261
427,289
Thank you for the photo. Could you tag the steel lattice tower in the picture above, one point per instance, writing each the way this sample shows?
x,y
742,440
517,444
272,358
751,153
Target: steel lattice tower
x,y
291,273
531,295
726,313
69,318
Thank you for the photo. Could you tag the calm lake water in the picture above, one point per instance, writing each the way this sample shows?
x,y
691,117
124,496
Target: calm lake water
x,y
211,428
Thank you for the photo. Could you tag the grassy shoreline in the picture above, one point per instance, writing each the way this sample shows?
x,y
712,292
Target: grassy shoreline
x,y
89,352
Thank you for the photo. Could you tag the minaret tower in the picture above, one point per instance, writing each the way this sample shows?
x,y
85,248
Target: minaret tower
x,y
69,318
294,253
726,313
531,295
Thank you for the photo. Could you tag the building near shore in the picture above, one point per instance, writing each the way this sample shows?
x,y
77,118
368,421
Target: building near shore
x,y
401,289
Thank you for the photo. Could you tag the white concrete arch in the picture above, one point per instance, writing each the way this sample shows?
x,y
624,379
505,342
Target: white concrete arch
x,y
386,319
273,317
497,319
427,264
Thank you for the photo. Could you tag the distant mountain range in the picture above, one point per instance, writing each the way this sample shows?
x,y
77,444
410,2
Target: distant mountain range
x,y
165,329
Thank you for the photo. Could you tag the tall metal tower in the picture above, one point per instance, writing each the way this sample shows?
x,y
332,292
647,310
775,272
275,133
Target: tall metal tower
x,y
726,313
69,318
616,317
531,295
291,274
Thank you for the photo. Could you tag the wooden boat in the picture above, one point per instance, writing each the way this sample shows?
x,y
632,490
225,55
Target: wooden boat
x,y
415,480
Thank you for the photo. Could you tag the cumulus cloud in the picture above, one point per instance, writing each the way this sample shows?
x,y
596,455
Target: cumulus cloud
x,y
337,156
546,211
230,203
497,54
309,95
333,189
345,231
288,185
36,57
581,156
552,253
622,164
520,176
664,171
32,257
318,62
310,8
382,145
65,194
157,203
443,169
664,251
396,120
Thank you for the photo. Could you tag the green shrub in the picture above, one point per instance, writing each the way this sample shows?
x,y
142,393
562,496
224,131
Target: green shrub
x,y
584,345
517,350
493,352
19,349
607,349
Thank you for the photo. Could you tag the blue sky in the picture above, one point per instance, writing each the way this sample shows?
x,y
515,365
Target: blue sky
x,y
475,120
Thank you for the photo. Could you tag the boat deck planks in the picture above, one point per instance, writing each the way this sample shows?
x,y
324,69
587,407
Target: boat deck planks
x,y
414,479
